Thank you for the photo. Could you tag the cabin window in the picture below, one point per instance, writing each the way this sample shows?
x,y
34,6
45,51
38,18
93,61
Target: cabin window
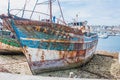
x,y
71,24
80,23
77,24
74,24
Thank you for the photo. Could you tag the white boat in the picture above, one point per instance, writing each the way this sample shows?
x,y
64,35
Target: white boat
x,y
103,35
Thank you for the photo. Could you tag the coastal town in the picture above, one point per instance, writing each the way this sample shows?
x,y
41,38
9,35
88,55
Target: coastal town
x,y
105,31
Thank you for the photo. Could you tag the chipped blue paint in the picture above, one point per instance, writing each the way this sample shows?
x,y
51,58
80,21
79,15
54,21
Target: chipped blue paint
x,y
60,46
18,32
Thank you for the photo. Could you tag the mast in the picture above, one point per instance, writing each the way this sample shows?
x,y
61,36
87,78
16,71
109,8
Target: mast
x,y
8,7
50,5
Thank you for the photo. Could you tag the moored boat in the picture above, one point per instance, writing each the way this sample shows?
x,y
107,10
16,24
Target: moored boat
x,y
102,35
51,46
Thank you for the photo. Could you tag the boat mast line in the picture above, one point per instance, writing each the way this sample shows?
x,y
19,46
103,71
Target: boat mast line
x,y
35,12
34,9
24,8
50,6
46,2
61,12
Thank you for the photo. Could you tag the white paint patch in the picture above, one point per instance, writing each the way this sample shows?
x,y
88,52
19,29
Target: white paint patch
x,y
38,53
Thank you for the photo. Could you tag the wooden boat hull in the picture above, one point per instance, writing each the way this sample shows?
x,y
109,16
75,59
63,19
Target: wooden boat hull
x,y
52,46
42,60
67,59
8,49
9,45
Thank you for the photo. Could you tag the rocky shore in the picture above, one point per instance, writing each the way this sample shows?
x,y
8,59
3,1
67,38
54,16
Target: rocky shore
x,y
103,65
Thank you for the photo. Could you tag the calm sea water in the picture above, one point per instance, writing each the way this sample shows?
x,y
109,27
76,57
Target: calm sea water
x,y
111,44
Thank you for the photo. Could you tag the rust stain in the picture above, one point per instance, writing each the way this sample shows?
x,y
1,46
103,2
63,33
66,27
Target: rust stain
x,y
45,30
71,54
50,40
57,26
24,49
29,59
61,54
81,53
42,57
37,28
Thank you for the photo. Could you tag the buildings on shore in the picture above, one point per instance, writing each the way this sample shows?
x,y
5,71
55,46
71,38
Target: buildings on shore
x,y
105,31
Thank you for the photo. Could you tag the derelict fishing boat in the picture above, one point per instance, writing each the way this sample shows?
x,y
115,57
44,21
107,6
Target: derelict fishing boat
x,y
8,42
51,46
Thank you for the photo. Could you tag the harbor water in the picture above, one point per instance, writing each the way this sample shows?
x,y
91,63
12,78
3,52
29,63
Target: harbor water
x,y
110,44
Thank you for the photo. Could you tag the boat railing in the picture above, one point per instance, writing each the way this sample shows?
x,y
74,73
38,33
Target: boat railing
x,y
57,19
91,36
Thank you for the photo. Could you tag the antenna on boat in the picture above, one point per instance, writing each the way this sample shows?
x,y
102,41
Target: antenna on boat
x,y
24,8
33,9
76,17
8,7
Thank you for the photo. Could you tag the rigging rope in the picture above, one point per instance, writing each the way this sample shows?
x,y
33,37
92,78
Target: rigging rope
x,y
46,2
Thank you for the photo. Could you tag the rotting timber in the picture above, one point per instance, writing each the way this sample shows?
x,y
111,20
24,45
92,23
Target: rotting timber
x,y
51,46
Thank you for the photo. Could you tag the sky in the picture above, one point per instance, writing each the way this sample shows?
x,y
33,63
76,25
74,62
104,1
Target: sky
x,y
96,12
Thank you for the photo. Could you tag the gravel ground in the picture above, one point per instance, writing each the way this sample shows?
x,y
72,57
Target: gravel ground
x,y
100,67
